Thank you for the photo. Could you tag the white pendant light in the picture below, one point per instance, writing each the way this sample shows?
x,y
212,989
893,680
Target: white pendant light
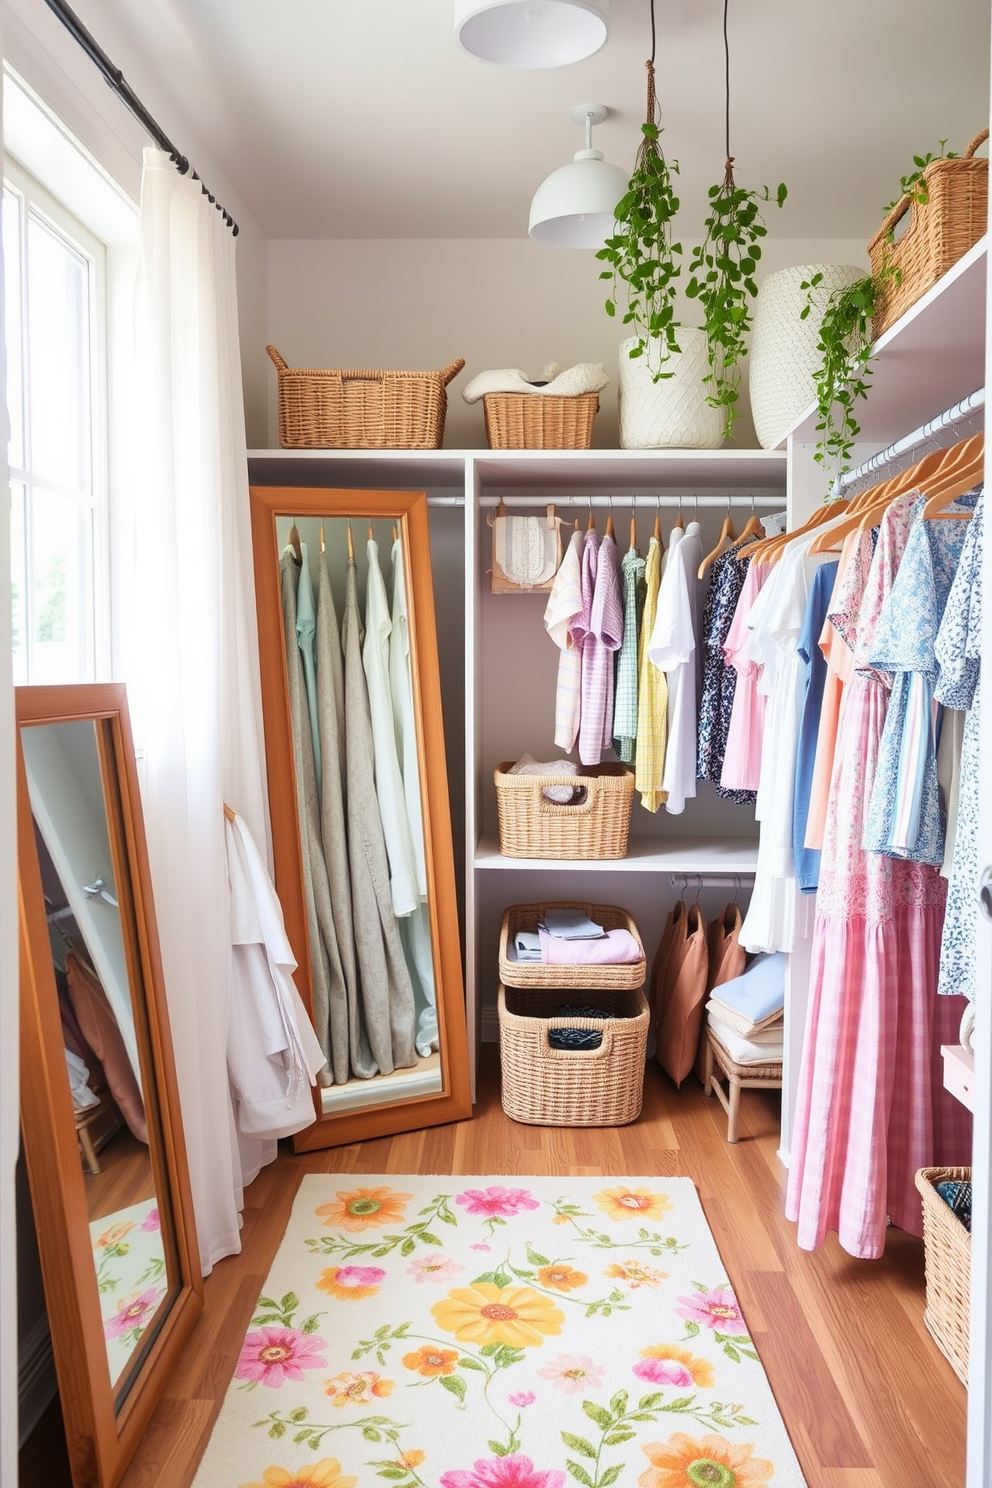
x,y
575,206
531,33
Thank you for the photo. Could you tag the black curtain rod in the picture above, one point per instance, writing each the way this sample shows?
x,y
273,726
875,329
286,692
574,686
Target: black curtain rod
x,y
117,81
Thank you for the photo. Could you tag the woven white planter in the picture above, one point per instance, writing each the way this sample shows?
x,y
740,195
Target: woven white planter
x,y
672,413
783,357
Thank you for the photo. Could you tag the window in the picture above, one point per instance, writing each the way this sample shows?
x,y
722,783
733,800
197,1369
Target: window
x,y
55,294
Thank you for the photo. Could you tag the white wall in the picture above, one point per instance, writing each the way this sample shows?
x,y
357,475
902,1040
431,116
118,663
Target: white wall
x,y
419,304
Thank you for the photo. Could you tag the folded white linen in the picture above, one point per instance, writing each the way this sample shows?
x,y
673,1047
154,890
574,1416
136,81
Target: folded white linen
x,y
741,1023
562,794
743,1050
584,377
527,944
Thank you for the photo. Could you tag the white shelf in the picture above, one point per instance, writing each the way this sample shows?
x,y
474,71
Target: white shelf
x,y
930,359
397,469
692,855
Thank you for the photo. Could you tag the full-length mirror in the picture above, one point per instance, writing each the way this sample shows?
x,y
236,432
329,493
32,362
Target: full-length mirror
x,y
102,1138
359,803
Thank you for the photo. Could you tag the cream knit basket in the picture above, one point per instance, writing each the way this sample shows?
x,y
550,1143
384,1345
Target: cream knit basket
x,y
672,413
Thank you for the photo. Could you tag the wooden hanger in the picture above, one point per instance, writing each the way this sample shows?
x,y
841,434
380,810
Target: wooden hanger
x,y
294,542
868,507
769,549
228,812
657,525
633,532
959,476
752,528
351,546
609,523
723,542
591,524
678,520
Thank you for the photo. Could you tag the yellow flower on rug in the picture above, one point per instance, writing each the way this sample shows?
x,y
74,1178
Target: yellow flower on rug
x,y
561,1278
633,1203
324,1474
484,1314
349,1282
667,1364
431,1362
357,1389
710,1462
636,1274
361,1208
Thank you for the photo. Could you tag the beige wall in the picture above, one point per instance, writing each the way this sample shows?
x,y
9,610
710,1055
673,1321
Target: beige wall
x,y
419,304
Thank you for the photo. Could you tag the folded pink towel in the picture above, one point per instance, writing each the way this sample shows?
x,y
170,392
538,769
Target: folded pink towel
x,y
611,949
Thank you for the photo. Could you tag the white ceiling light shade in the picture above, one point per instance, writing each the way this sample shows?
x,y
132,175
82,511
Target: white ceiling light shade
x,y
575,206
531,33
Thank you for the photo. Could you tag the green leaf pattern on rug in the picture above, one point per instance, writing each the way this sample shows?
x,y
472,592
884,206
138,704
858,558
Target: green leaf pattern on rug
x,y
545,1363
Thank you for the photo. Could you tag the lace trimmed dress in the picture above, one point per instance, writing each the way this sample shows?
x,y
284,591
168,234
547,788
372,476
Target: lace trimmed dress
x,y
871,1108
958,653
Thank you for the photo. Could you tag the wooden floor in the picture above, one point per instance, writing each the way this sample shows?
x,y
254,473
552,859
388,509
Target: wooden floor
x,y
867,1397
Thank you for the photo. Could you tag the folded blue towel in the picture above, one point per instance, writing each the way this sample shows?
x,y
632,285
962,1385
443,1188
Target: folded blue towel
x,y
760,992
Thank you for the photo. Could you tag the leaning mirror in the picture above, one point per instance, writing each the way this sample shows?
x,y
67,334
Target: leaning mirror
x,y
100,1120
358,795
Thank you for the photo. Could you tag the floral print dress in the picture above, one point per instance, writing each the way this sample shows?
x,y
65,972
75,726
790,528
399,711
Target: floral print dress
x,y
716,701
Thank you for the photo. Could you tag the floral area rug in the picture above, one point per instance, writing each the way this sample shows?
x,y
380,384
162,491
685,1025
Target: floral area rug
x,y
452,1332
130,1275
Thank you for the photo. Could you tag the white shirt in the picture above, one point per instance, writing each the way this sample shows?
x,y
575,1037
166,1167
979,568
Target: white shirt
x,y
674,647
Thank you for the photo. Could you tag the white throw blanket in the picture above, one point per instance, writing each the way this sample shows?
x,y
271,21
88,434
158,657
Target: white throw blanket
x,y
584,377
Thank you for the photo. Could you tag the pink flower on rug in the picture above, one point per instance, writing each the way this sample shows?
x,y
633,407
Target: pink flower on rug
x,y
715,1309
132,1312
272,1355
434,1267
351,1282
482,1247
522,1398
151,1220
493,1201
573,1375
667,1364
516,1471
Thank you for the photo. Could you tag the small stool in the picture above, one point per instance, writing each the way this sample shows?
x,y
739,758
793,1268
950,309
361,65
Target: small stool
x,y
738,1077
104,1119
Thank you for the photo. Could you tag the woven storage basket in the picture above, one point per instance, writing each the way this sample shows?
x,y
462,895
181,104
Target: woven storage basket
x,y
532,827
535,421
940,231
572,1087
337,409
947,1248
513,973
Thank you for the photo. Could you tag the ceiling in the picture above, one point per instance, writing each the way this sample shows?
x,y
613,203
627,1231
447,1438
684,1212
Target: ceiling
x,y
363,119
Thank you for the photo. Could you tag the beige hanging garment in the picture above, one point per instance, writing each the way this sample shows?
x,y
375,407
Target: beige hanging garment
x,y
526,551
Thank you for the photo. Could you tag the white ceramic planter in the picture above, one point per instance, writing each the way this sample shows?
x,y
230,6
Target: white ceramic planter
x,y
672,413
783,357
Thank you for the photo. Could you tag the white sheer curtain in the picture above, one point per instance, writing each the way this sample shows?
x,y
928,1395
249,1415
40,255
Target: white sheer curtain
x,y
192,657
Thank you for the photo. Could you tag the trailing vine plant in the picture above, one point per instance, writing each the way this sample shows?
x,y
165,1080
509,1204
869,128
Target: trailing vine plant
x,y
913,184
641,253
723,268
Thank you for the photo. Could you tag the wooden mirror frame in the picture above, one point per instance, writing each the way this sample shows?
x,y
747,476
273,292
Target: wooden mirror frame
x,y
408,510
101,1439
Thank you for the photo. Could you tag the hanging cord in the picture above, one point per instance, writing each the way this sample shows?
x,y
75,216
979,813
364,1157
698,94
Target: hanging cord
x,y
118,83
728,174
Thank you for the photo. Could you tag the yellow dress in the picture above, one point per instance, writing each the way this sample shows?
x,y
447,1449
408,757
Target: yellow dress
x,y
652,696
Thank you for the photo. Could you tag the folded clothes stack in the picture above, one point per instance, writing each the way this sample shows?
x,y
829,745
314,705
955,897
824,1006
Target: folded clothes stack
x,y
562,795
747,1015
567,937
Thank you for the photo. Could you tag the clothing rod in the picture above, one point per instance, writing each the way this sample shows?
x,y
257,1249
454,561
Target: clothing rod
x,y
578,504
944,420
117,81
713,880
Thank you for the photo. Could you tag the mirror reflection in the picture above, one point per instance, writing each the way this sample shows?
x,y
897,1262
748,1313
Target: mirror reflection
x,y
112,1102
346,633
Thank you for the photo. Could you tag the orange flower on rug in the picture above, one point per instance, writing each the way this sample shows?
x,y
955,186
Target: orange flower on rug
x,y
444,1332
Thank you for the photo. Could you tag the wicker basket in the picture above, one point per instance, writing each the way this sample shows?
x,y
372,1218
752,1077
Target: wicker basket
x,y
940,231
338,409
624,976
947,1247
544,1086
530,826
536,421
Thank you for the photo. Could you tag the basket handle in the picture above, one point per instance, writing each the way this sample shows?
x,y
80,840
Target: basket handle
x,y
564,808
906,201
605,1047
453,368
979,139
281,363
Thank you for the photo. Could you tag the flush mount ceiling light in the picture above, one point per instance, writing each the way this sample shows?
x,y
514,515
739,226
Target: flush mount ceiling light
x,y
575,206
531,33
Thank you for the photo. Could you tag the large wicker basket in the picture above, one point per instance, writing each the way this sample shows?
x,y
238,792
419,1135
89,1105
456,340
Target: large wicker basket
x,y
940,231
539,421
544,1086
530,826
513,973
338,409
947,1248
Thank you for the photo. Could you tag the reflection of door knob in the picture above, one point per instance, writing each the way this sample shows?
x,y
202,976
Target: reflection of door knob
x,y
985,893
98,889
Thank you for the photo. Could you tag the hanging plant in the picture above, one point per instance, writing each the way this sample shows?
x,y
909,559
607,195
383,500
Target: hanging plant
x,y
723,268
642,258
